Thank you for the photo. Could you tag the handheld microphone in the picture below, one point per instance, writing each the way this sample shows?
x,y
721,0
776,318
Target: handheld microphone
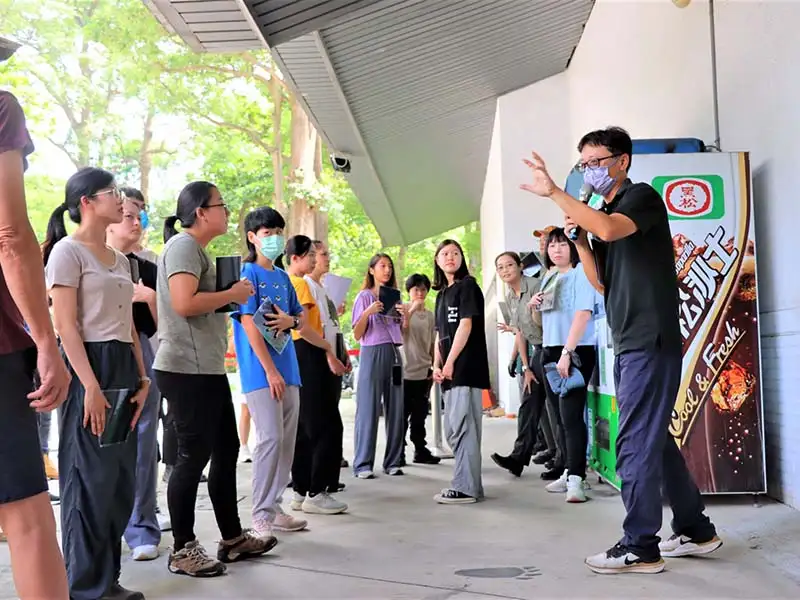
x,y
585,194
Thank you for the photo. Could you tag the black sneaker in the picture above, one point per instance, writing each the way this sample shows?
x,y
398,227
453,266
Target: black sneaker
x,y
117,592
344,464
509,464
426,458
619,559
543,457
552,474
451,496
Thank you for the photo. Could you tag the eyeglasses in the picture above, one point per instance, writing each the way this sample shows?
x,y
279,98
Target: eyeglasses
x,y
222,204
593,163
113,191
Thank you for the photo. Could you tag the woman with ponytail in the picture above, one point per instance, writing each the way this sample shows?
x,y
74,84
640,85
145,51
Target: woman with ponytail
x,y
190,372
92,292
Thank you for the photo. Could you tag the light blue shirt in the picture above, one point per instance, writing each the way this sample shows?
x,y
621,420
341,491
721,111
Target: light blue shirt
x,y
573,292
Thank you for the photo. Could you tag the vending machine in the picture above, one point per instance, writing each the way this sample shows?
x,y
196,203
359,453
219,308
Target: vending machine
x,y
717,420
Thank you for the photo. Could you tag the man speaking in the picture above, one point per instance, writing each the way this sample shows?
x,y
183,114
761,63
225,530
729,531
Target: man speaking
x,y
631,263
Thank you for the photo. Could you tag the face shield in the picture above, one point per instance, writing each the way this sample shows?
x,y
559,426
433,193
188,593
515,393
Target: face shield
x,y
7,48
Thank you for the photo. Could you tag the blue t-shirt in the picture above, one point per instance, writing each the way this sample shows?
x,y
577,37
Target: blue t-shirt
x,y
276,286
573,292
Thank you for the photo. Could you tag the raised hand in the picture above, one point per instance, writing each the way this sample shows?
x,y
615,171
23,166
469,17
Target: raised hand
x,y
542,184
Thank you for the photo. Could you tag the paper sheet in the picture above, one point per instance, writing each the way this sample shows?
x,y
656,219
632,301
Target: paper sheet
x,y
337,288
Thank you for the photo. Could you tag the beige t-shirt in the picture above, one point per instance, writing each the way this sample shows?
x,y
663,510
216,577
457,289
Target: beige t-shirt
x,y
417,345
105,294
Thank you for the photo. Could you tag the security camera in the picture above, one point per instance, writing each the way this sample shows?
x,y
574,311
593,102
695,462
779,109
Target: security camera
x,y
340,164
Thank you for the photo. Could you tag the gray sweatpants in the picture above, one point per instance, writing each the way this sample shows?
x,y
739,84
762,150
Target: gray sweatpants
x,y
276,432
375,384
143,529
463,423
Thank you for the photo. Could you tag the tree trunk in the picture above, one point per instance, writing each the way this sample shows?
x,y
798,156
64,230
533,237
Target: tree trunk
x,y
145,153
400,262
304,218
276,92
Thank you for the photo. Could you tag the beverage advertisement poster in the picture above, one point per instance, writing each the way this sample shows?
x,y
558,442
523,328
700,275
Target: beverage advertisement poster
x,y
717,421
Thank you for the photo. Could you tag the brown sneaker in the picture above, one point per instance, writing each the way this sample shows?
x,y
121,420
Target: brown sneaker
x,y
192,560
247,545
50,468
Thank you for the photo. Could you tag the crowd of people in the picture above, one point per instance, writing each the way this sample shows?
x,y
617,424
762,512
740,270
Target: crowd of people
x,y
130,329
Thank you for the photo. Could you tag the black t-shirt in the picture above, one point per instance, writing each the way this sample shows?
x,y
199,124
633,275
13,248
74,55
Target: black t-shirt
x,y
638,272
142,317
463,300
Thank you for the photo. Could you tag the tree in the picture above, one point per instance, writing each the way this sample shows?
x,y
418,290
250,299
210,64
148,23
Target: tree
x,y
79,56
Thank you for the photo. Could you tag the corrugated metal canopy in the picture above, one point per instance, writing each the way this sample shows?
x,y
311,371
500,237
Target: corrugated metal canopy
x,y
407,90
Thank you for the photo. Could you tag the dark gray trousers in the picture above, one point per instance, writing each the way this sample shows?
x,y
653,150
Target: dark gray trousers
x,y
647,384
97,484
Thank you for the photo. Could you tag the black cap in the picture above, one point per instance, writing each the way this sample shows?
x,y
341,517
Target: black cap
x,y
7,48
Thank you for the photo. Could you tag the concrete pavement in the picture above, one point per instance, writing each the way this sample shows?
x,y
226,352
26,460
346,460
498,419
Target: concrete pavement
x,y
521,543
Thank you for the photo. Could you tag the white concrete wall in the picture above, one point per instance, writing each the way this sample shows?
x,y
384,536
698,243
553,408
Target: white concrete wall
x,y
492,233
663,56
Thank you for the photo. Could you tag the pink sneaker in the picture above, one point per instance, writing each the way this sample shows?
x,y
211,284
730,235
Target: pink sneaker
x,y
262,528
284,522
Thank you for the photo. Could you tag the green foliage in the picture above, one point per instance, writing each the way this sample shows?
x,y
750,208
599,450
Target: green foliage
x,y
105,83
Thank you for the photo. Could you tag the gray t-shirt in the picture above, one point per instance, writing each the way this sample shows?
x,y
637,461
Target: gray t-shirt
x,y
105,293
417,345
194,345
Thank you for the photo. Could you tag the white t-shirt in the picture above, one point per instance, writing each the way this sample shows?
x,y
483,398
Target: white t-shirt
x,y
327,311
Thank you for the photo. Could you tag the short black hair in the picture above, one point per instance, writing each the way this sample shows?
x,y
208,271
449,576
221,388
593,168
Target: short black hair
x,y
132,193
558,235
616,139
265,217
418,280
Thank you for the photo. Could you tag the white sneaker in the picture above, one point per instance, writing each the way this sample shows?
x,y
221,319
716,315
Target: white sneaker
x,y
147,552
559,486
297,501
619,559
575,489
164,524
680,545
323,504
368,474
245,456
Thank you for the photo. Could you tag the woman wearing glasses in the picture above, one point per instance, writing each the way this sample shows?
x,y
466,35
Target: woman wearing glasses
x,y
190,372
92,292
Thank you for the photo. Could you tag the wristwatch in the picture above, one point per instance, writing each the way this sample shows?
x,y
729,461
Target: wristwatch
x,y
145,380
565,352
295,323
524,367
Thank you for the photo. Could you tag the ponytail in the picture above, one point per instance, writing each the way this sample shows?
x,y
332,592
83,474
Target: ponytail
x,y
169,227
83,184
56,230
279,262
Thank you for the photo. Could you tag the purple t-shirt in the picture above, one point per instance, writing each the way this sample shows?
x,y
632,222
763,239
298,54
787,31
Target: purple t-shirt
x,y
13,137
380,328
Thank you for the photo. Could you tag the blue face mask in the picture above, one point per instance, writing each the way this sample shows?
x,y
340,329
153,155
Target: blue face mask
x,y
144,218
272,246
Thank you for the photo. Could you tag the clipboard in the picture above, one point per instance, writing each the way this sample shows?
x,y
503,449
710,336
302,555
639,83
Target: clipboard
x,y
278,340
390,298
